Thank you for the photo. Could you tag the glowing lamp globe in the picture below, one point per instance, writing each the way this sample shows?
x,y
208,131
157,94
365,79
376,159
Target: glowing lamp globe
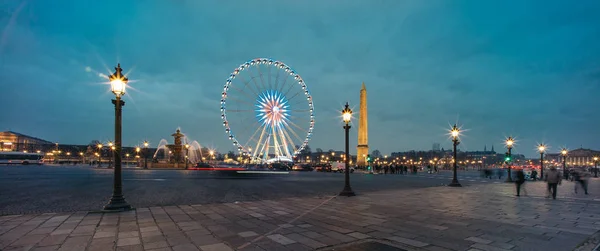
x,y
541,148
145,143
347,113
595,158
118,82
510,142
564,152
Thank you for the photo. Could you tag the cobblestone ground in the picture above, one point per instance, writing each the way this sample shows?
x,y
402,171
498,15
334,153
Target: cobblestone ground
x,y
477,217
47,189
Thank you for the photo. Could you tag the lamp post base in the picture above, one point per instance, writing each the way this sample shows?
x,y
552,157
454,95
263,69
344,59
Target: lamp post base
x,y
347,192
117,204
454,183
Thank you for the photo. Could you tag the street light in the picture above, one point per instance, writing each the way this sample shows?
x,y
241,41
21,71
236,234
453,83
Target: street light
x,y
347,117
542,149
137,155
509,145
596,166
111,149
187,150
212,153
99,154
118,83
146,154
564,153
455,133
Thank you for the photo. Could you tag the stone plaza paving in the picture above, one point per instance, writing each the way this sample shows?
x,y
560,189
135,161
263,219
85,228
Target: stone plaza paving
x,y
476,217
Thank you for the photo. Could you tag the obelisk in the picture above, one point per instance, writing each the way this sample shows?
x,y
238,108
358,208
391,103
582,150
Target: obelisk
x,y
362,150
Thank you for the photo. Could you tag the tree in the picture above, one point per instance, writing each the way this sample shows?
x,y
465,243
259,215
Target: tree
x,y
95,143
376,154
231,154
319,150
307,150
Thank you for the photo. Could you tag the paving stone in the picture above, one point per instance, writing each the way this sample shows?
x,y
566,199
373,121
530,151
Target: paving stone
x,y
130,248
216,247
247,234
478,240
306,241
409,242
281,239
154,245
487,247
358,235
203,240
52,240
46,248
185,247
128,241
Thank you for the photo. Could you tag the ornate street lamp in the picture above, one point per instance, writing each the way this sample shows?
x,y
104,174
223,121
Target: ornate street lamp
x,y
111,153
564,152
118,83
212,155
455,133
146,154
509,145
99,154
542,149
187,150
596,166
347,117
137,155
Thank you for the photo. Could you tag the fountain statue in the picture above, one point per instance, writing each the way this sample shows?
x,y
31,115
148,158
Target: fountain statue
x,y
175,154
177,147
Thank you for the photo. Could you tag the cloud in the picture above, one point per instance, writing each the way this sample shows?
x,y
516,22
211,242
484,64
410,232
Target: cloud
x,y
529,68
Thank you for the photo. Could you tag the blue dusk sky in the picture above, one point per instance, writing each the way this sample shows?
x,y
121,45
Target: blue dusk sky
x,y
530,69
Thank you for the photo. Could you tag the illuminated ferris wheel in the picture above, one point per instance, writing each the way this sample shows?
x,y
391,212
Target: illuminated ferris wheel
x,y
270,108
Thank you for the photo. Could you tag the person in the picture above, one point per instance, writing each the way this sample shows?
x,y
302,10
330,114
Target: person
x,y
534,175
581,179
519,181
500,173
553,179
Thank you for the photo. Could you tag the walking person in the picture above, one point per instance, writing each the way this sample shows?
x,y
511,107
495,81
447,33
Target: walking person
x,y
581,179
520,181
553,179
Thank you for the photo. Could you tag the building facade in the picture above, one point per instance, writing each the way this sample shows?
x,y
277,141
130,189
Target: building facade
x,y
577,157
13,141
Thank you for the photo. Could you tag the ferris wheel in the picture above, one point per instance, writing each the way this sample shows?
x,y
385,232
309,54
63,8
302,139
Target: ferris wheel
x,y
267,111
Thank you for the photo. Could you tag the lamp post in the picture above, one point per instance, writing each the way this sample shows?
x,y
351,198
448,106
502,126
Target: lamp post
x,y
146,154
118,84
82,158
111,149
596,166
187,150
455,132
564,153
509,145
137,155
99,154
347,116
542,149
212,154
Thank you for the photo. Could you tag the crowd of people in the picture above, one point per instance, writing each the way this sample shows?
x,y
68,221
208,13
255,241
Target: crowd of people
x,y
553,178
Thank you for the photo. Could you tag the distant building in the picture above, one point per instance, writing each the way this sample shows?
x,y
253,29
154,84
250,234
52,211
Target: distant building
x,y
14,141
577,157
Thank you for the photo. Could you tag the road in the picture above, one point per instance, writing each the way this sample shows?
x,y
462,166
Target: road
x,y
41,189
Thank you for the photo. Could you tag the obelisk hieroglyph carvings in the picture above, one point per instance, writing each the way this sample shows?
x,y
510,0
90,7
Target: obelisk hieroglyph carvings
x,y
362,150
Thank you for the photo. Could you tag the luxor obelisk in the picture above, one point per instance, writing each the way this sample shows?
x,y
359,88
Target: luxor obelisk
x,y
362,150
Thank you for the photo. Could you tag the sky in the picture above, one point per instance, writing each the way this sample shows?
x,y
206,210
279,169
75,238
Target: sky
x,y
527,69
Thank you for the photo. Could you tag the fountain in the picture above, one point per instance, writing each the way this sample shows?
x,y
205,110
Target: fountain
x,y
175,154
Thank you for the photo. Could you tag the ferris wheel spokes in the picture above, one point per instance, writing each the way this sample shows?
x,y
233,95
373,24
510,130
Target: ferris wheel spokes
x,y
275,131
